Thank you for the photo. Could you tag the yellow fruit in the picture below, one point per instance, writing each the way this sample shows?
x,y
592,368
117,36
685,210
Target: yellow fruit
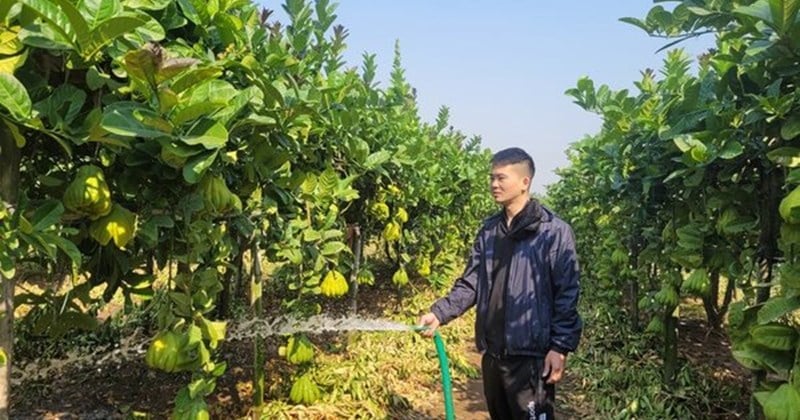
x,y
217,198
304,391
299,350
334,284
366,277
424,269
400,277
164,352
391,232
88,193
119,225
379,211
401,215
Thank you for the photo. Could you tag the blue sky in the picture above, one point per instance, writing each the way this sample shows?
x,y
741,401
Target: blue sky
x,y
502,66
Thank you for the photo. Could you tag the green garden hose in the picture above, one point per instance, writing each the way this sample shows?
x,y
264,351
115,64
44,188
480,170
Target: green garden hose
x,y
444,366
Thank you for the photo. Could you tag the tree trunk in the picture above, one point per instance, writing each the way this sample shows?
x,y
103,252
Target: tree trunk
x,y
771,181
726,302
634,290
356,244
711,302
258,310
229,280
10,158
670,349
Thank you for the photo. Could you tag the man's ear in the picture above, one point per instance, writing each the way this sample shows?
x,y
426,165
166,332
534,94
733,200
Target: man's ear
x,y
526,181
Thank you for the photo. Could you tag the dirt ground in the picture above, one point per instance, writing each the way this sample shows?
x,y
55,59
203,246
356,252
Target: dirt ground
x,y
121,390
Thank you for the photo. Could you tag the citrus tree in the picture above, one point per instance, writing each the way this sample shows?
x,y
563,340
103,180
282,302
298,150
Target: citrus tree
x,y
142,137
701,166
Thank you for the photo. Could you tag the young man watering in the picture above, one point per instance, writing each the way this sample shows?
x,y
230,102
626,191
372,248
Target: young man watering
x,y
523,277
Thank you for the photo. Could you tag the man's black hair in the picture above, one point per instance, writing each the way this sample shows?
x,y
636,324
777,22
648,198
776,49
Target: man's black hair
x,y
513,156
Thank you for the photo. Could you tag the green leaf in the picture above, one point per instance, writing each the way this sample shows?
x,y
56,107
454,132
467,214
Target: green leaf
x,y
148,232
133,120
195,77
309,184
783,403
198,388
203,100
7,266
208,133
197,166
109,30
171,67
791,128
778,307
79,25
57,18
328,181
332,248
19,139
191,11
784,13
311,235
182,302
759,10
5,7
11,64
97,11
47,214
45,37
789,207
696,149
376,159
63,105
638,23
213,331
142,64
68,248
292,255
731,150
331,234
14,97
754,357
151,31
148,4
40,241
785,156
699,11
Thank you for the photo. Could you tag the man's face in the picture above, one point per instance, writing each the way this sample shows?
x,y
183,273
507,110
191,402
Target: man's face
x,y
509,182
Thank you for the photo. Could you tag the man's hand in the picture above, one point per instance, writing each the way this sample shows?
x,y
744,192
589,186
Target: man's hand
x,y
428,320
554,366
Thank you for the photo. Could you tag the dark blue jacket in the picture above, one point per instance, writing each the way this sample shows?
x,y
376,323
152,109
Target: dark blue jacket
x,y
541,295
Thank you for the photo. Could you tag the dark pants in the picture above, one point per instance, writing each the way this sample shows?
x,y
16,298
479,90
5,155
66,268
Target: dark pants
x,y
510,387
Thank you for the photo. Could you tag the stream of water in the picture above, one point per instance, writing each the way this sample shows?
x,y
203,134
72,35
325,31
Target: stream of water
x,y
135,345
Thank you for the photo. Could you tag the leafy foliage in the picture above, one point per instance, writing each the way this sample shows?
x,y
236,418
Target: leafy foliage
x,y
694,176
215,130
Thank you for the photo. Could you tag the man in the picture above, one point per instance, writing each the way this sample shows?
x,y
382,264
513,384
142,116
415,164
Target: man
x,y
523,276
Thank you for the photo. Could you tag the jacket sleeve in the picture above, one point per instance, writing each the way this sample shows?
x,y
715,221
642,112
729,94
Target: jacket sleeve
x,y
566,325
463,294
